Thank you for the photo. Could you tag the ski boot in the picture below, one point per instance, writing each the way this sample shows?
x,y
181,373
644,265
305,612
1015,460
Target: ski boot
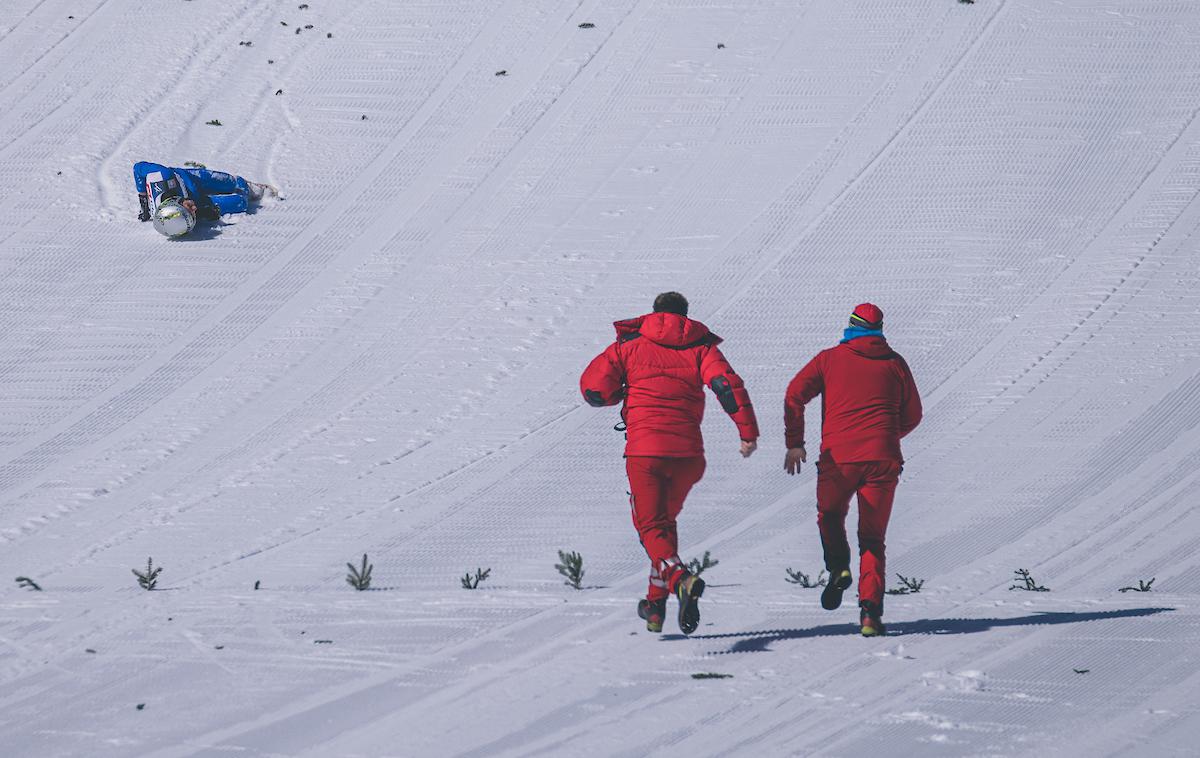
x,y
839,582
872,619
653,611
258,191
688,592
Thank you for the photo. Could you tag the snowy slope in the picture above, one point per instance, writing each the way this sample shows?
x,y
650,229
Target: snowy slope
x,y
386,362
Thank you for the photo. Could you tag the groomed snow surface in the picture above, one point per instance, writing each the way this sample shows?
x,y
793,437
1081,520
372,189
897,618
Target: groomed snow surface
x,y
385,362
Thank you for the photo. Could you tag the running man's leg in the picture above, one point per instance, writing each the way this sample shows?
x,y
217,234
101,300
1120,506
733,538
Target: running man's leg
x,y
682,475
649,483
835,486
875,498
655,528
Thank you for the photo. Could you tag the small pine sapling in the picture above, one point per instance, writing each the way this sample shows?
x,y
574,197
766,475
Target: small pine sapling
x,y
360,578
149,578
471,582
698,566
214,122
907,586
1026,582
1142,586
571,567
194,164
26,583
802,579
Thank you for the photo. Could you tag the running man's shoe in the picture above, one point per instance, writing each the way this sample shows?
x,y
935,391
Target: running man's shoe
x,y
653,611
872,621
831,596
688,592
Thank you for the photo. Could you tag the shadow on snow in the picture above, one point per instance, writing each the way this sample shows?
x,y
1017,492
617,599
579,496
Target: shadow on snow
x,y
755,642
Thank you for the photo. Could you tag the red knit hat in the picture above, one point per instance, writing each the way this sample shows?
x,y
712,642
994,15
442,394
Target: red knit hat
x,y
867,316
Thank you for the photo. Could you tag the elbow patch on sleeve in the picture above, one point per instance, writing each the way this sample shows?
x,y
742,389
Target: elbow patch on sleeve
x,y
594,398
724,392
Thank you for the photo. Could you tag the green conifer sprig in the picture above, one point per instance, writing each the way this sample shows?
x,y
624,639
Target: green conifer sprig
x,y
360,578
571,567
803,579
148,579
1025,581
699,565
1142,586
907,586
471,582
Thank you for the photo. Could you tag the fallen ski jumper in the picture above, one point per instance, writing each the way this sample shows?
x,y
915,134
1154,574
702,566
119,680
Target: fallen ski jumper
x,y
176,198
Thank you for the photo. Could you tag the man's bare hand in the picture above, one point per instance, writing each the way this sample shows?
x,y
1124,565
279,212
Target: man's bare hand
x,y
748,448
795,456
190,205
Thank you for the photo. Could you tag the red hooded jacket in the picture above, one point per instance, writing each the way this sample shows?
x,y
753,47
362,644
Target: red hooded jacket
x,y
868,401
659,366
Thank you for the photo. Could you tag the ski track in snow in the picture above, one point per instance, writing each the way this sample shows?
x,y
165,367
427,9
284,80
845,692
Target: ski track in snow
x,y
386,360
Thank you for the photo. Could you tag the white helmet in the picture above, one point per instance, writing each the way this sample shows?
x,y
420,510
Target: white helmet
x,y
171,219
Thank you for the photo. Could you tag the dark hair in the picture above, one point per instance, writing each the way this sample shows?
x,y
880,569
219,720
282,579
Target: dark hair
x,y
671,302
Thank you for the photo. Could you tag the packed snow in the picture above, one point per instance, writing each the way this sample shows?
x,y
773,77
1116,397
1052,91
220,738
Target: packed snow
x,y
384,361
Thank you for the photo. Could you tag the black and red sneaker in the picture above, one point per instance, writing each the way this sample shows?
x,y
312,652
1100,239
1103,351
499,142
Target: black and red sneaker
x,y
653,611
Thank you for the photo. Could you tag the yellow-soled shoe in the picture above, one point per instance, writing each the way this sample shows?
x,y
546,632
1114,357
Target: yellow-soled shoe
x,y
653,611
872,624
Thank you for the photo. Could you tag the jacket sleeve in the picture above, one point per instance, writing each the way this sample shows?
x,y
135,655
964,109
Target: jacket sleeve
x,y
806,385
603,381
140,170
730,390
910,401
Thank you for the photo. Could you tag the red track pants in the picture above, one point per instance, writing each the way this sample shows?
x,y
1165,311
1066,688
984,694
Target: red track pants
x,y
875,482
658,487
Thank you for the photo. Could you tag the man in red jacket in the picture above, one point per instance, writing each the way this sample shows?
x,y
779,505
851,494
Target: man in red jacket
x,y
869,401
659,367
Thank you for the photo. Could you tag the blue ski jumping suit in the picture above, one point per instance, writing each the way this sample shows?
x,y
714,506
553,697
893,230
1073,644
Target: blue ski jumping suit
x,y
214,192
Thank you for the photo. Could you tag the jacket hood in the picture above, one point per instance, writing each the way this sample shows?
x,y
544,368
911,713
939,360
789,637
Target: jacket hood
x,y
666,329
870,347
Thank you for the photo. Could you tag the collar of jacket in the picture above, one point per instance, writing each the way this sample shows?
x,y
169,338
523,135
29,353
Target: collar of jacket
x,y
666,329
855,332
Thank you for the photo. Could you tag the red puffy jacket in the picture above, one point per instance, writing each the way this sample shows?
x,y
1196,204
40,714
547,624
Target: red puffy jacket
x,y
868,401
659,366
